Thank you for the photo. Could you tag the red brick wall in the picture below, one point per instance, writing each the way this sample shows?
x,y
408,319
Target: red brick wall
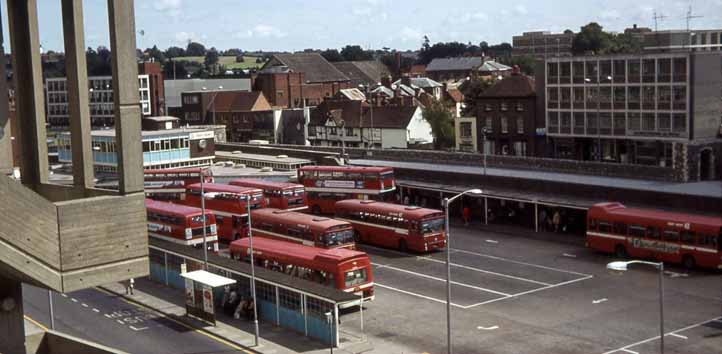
x,y
289,90
157,90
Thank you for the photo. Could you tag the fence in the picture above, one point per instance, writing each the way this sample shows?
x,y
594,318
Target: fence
x,y
283,302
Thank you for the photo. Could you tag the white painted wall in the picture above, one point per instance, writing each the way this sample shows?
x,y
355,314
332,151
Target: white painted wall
x,y
393,138
419,130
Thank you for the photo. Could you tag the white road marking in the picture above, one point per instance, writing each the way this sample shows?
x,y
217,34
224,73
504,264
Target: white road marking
x,y
492,241
121,322
599,301
629,351
84,304
519,262
569,255
63,295
138,329
488,272
678,335
626,347
443,280
96,310
73,299
107,315
675,274
487,328
417,295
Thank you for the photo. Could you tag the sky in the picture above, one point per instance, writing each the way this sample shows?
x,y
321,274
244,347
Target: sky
x,y
289,25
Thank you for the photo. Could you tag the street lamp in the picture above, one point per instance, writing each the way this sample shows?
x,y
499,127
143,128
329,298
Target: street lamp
x,y
253,270
477,192
343,138
484,131
622,266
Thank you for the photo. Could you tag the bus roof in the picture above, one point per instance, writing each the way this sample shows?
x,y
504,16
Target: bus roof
x,y
176,170
316,223
618,209
298,251
224,188
372,169
172,209
264,183
408,212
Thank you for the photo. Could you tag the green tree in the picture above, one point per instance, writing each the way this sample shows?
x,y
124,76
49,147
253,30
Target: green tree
x,y
441,50
355,53
98,61
155,53
171,72
332,55
624,43
211,60
472,90
591,38
195,49
442,125
390,61
174,52
233,52
525,63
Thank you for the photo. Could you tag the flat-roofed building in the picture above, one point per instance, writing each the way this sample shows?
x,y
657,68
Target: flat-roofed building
x,y
543,44
682,40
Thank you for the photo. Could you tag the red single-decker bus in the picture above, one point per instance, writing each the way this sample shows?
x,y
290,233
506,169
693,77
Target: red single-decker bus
x,y
688,239
228,204
327,184
343,269
170,184
180,224
394,226
279,195
310,230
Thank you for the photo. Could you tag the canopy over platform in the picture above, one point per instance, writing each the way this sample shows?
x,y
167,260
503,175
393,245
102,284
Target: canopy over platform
x,y
207,278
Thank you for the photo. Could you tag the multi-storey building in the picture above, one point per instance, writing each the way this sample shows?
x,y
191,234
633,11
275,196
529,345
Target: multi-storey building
x,y
100,96
681,40
543,44
639,109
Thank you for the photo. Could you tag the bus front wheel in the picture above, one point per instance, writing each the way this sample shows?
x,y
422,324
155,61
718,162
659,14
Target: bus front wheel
x,y
688,262
403,247
620,251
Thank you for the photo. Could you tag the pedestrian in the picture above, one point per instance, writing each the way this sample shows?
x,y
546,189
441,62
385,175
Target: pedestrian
x,y
129,287
543,219
556,220
466,214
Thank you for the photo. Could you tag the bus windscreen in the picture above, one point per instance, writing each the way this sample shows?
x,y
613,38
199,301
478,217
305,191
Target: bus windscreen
x,y
336,238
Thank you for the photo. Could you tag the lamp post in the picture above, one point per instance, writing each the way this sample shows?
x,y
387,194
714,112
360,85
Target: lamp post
x,y
448,262
343,142
253,271
484,131
622,266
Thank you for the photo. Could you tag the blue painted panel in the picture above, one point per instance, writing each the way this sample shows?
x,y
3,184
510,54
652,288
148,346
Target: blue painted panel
x,y
319,329
267,310
292,319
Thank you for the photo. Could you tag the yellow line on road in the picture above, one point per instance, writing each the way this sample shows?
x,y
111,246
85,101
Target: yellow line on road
x,y
209,335
36,323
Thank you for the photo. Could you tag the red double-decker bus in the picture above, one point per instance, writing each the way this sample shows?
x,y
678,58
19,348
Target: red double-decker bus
x,y
394,226
228,204
343,269
280,195
306,229
689,239
170,184
327,184
181,224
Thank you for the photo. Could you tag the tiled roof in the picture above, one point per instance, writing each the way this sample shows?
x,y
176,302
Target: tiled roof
x,y
423,82
313,65
458,63
358,114
367,73
174,88
352,94
491,65
512,86
238,101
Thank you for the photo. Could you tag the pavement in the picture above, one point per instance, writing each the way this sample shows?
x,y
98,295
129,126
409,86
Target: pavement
x,y
703,189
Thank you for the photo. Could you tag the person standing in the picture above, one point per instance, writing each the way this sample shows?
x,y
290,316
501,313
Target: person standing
x,y
543,219
466,214
556,220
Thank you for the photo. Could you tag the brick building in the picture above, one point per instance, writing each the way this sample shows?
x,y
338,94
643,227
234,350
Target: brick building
x,y
299,80
507,114
157,88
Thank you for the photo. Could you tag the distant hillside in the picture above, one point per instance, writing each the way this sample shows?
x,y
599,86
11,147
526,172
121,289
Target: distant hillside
x,y
249,62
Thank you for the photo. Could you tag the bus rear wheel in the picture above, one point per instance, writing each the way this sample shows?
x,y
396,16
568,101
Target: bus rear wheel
x,y
620,251
688,262
403,247
356,236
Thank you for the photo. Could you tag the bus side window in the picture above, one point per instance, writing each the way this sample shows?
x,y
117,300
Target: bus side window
x,y
688,237
653,232
620,228
636,231
592,224
703,240
672,236
604,227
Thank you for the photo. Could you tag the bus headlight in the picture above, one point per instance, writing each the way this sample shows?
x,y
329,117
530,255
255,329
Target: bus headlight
x,y
214,229
189,233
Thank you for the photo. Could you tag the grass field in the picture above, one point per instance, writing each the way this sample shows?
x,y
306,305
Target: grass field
x,y
228,61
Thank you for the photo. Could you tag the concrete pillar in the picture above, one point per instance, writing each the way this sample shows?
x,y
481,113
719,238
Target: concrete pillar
x,y
29,101
125,91
6,145
12,323
77,73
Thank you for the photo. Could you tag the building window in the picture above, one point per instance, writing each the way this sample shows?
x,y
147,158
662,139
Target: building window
x,y
592,123
648,70
635,71
504,107
619,124
578,72
552,97
488,107
519,107
578,93
565,123
664,70
679,122
664,98
312,130
189,99
520,148
489,124
664,122
520,125
552,73
504,125
634,97
553,122
648,97
679,97
465,129
566,97
565,72
619,71
679,69
578,123
648,122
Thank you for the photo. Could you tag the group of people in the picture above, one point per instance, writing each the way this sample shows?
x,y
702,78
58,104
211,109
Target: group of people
x,y
555,221
237,306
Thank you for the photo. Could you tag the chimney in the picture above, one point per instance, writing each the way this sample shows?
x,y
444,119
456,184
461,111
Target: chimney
x,y
634,26
397,57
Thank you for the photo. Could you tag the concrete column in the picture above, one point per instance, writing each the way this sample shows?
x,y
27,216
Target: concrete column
x,y
29,101
77,92
126,101
6,145
12,323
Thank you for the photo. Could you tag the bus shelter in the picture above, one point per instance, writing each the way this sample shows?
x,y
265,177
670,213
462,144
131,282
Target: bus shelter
x,y
200,301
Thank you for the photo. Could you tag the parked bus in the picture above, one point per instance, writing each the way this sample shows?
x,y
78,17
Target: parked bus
x,y
691,240
343,269
181,224
327,184
228,204
306,229
170,184
403,227
279,195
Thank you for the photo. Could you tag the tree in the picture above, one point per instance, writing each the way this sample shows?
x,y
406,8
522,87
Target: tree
x,y
233,52
174,52
442,125
179,71
332,55
355,53
441,50
156,54
624,43
502,50
211,59
591,38
525,63
390,61
472,90
98,61
195,49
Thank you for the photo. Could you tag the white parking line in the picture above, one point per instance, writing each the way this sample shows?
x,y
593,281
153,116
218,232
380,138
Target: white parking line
x,y
73,299
84,305
519,262
488,272
417,295
63,295
629,351
678,335
599,301
487,328
96,310
441,280
626,347
492,241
